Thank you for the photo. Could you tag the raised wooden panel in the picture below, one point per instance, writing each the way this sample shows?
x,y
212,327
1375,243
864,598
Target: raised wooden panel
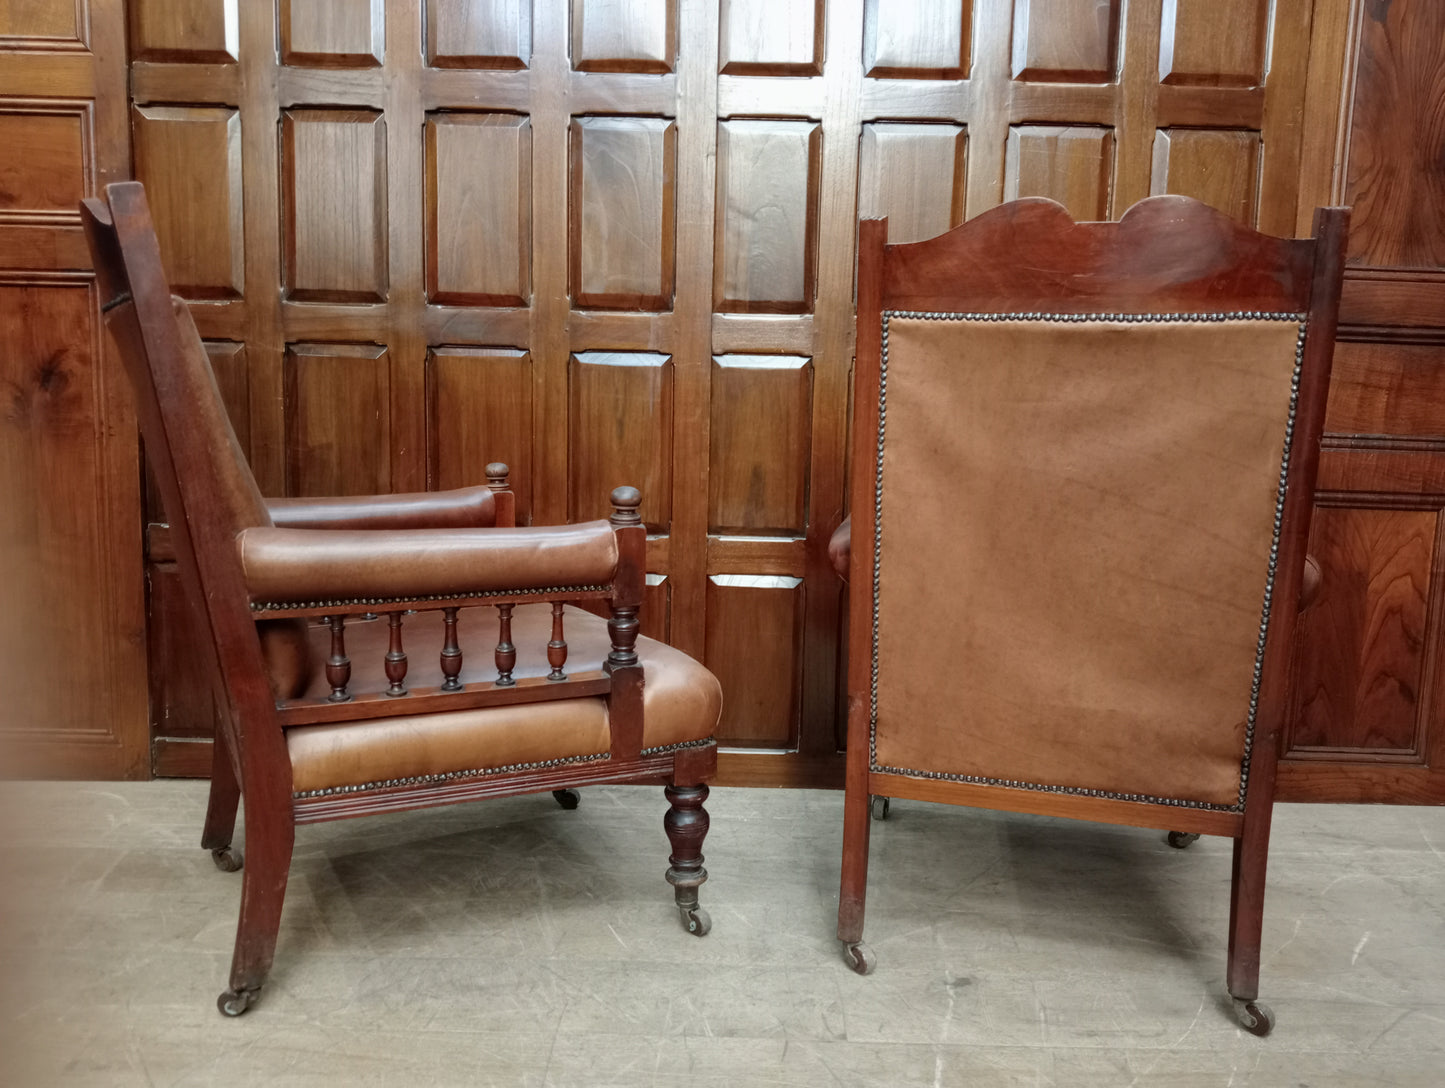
x,y
1213,43
1073,164
334,210
754,647
1365,646
915,174
479,33
1066,41
198,31
1387,389
1394,178
621,236
916,39
332,33
770,37
655,615
624,35
42,24
338,419
478,209
766,215
479,410
228,363
189,158
1217,166
761,435
45,170
620,432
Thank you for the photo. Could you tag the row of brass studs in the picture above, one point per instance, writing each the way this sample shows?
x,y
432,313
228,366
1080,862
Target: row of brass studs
x,y
1074,791
435,779
360,602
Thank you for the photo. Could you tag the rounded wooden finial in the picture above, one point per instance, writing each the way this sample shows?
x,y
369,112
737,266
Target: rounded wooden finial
x,y
625,501
497,474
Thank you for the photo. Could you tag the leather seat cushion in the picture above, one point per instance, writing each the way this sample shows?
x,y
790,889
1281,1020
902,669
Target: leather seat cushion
x,y
681,702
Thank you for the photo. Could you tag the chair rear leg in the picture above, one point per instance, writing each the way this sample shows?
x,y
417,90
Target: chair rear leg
x,y
686,825
221,808
1246,923
853,885
270,837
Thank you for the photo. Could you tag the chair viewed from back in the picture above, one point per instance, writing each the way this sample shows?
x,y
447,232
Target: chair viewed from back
x,y
381,653
1082,474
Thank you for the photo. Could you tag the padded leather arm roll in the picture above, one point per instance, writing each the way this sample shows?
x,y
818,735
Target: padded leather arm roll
x,y
462,508
296,565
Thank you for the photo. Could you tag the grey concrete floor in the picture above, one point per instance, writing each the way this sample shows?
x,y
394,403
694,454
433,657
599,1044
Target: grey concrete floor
x,y
514,943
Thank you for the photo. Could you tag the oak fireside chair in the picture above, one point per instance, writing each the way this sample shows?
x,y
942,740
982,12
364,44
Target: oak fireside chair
x,y
1082,475
325,715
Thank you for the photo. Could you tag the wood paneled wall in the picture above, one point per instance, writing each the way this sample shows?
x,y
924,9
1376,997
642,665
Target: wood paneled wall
x,y
72,627
612,241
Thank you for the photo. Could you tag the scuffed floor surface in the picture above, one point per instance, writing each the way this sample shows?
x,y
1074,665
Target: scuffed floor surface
x,y
515,943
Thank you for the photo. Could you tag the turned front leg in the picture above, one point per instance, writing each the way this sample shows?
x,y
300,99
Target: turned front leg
x,y
686,824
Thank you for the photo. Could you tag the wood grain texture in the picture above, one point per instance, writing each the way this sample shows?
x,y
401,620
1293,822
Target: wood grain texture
x,y
334,205
190,161
656,613
338,419
916,40
332,33
624,35
915,175
42,23
1394,178
228,363
621,236
190,31
1072,164
766,216
762,409
1388,389
754,647
479,411
1066,41
478,209
621,433
770,37
1360,686
45,180
1213,43
479,33
1219,167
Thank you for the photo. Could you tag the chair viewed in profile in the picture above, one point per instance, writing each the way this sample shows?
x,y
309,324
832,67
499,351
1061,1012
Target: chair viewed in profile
x,y
1082,474
337,628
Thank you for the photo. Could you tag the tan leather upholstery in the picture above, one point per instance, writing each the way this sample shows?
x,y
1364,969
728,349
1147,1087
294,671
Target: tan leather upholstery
x,y
351,564
1062,573
681,702
461,508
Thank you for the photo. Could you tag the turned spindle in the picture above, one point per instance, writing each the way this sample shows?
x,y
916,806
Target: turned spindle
x,y
338,665
557,648
395,656
451,652
506,652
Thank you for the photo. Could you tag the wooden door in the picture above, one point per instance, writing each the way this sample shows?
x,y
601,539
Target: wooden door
x,y
72,662
1369,721
612,241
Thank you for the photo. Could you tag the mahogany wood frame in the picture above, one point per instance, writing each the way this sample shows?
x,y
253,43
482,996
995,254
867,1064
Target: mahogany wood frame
x,y
250,754
1166,255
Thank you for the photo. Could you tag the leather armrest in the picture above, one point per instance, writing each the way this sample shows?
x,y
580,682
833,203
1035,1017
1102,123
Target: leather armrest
x,y
840,546
462,508
296,565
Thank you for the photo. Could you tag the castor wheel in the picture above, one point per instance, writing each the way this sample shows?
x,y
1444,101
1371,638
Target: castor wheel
x,y
879,806
859,957
235,1002
695,920
227,859
1180,839
1254,1017
568,799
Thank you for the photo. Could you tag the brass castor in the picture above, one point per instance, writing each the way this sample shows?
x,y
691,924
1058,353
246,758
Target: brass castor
x,y
227,858
695,920
1254,1016
568,799
878,806
859,957
234,1002
1180,839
